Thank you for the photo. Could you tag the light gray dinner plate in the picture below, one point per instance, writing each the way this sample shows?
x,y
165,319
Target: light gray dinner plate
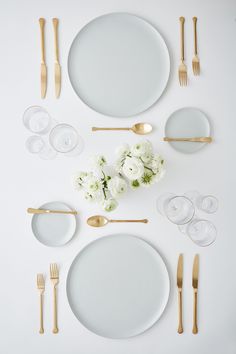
x,y
119,65
187,122
54,229
118,286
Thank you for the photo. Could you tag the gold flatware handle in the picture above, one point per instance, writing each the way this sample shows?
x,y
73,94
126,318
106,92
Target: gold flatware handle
x,y
195,34
55,325
180,326
206,139
55,22
42,24
145,221
41,330
182,20
195,327
94,129
46,211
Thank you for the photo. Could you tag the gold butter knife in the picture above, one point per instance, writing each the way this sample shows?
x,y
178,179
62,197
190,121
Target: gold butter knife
x,y
180,286
47,211
57,66
43,63
201,139
195,292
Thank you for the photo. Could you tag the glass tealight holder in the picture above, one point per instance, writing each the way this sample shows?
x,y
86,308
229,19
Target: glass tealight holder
x,y
37,120
65,139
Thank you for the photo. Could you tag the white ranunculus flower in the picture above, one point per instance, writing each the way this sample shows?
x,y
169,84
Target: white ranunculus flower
x,y
98,162
89,197
133,168
147,158
117,186
123,150
79,178
160,174
93,185
109,204
156,163
141,149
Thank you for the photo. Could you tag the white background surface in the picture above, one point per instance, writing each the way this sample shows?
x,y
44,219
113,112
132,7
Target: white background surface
x,y
28,181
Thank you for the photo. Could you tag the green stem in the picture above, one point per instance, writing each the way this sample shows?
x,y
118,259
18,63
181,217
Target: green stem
x,y
148,168
103,189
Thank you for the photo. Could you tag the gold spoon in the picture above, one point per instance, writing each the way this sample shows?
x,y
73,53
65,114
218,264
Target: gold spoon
x,y
99,220
205,139
47,211
138,128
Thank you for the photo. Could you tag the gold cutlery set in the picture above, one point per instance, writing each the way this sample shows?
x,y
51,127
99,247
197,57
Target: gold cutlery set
x,y
54,276
146,128
57,67
99,220
183,72
95,221
195,292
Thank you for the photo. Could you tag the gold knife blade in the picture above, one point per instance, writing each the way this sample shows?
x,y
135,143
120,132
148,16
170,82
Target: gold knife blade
x,y
43,80
195,271
57,67
180,285
180,272
43,63
195,292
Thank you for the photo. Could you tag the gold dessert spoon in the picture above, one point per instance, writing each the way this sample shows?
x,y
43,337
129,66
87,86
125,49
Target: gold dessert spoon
x,y
99,221
138,128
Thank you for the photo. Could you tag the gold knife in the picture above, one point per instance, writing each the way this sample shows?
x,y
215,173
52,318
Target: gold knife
x,y
180,286
195,292
47,211
43,63
57,67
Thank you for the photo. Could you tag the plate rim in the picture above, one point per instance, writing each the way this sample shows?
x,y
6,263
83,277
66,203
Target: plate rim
x,y
164,45
201,144
167,277
35,215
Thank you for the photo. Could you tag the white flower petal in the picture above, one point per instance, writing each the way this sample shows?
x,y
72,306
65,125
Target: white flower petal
x,y
133,168
117,186
109,204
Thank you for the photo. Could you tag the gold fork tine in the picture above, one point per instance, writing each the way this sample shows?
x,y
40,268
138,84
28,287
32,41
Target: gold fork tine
x,y
54,270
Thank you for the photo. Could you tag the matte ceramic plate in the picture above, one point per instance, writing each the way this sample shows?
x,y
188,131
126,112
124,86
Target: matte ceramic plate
x,y
54,229
187,123
119,65
118,286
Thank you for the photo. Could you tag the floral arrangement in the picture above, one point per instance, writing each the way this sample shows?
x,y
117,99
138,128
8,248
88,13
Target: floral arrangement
x,y
136,166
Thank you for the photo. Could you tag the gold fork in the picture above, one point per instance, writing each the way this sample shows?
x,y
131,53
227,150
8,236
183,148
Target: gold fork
x,y
54,276
183,79
195,61
41,287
